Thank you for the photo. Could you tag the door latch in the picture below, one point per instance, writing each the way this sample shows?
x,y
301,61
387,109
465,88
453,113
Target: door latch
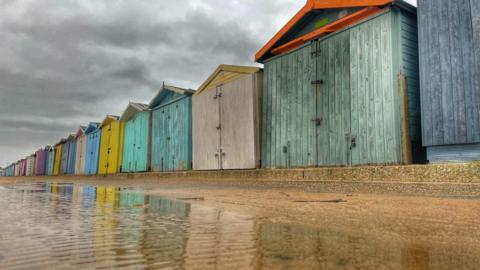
x,y
285,149
318,121
353,143
219,127
317,82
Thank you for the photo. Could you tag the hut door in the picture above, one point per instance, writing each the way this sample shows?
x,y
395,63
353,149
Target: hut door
x,y
237,130
206,133
332,86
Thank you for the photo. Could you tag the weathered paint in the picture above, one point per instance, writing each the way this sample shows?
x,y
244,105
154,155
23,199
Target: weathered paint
x,y
454,153
226,120
58,159
111,146
64,160
72,149
50,160
171,129
40,162
350,115
30,166
449,38
93,150
81,150
136,145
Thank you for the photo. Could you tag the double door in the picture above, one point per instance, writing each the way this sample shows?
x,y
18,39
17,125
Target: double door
x,y
92,152
135,158
171,136
225,126
111,150
357,101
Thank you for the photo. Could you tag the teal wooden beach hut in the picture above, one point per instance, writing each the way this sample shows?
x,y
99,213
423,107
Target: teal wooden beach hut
x,y
50,160
136,144
93,133
341,86
171,129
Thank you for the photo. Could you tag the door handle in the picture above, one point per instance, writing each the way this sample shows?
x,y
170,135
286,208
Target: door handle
x,y
318,121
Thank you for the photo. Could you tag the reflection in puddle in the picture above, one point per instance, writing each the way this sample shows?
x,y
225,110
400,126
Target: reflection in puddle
x,y
66,226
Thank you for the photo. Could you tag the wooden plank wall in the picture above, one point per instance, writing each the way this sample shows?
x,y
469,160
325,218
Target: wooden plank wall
x,y
289,102
334,100
238,125
449,71
205,135
171,136
374,90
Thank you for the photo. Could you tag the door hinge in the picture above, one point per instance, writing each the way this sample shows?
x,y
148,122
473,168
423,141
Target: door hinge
x,y
317,82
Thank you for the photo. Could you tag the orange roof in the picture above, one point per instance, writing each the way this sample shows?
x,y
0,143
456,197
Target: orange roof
x,y
321,4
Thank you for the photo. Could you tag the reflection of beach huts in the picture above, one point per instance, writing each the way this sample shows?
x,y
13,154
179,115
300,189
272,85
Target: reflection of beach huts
x,y
214,235
81,149
226,114
341,86
50,160
171,129
136,146
58,157
93,133
449,39
111,145
40,162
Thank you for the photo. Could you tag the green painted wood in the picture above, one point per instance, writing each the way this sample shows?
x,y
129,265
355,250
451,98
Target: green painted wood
x,y
333,100
136,143
357,100
171,136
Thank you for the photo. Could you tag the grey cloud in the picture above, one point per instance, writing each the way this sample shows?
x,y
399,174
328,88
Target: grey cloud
x,y
65,63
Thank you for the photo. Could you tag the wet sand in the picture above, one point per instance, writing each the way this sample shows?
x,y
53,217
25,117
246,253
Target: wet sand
x,y
424,232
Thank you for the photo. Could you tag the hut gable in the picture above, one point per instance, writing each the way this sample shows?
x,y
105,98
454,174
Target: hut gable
x,y
225,74
132,109
80,131
109,119
319,18
168,94
92,126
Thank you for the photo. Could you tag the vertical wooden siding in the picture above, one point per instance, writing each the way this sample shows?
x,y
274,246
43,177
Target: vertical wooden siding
x,y
449,71
64,160
111,148
136,143
351,115
71,156
172,136
80,155
205,135
333,100
51,161
58,160
288,95
239,124
374,92
93,151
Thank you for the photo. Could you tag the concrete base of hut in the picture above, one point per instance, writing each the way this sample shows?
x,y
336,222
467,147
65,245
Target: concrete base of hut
x,y
419,180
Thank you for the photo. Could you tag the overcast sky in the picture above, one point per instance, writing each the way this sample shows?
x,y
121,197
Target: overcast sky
x,y
69,62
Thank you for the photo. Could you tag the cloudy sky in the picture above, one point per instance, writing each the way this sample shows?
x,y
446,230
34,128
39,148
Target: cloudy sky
x,y
69,62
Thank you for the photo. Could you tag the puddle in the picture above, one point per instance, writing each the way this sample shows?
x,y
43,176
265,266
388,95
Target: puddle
x,y
65,226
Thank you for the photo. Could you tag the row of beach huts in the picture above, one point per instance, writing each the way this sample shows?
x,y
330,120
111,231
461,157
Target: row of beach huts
x,y
344,83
